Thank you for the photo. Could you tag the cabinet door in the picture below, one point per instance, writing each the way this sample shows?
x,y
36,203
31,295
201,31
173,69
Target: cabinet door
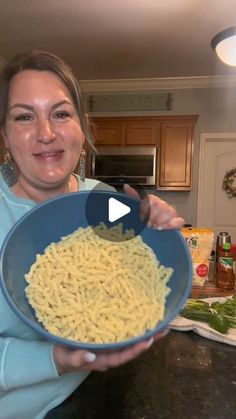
x,y
175,160
141,133
107,132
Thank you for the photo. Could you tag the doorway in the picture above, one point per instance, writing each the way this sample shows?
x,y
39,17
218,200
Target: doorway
x,y
215,209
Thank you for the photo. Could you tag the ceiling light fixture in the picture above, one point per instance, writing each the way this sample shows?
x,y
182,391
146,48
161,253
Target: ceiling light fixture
x,y
224,43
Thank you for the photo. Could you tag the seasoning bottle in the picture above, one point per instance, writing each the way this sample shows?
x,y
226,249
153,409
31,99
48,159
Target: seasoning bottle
x,y
233,251
222,237
225,276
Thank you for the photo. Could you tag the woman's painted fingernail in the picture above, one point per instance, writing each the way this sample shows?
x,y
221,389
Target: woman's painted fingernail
x,y
126,186
149,343
89,357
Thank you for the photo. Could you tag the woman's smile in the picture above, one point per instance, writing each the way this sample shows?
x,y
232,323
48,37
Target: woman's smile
x,y
49,156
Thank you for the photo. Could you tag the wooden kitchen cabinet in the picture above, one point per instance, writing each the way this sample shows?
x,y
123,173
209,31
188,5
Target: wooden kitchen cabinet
x,y
176,153
126,131
141,133
107,131
172,135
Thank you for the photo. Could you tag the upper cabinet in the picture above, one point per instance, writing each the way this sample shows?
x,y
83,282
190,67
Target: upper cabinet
x,y
126,131
142,133
107,131
176,153
172,135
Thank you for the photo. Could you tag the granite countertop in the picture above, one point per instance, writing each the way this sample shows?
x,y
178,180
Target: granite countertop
x,y
210,290
183,376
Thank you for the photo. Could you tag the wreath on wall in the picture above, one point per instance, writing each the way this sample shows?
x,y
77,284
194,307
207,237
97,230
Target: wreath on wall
x,y
228,183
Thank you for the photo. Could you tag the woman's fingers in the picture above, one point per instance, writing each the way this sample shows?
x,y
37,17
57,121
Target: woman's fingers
x,y
175,222
130,191
70,360
157,212
162,215
113,359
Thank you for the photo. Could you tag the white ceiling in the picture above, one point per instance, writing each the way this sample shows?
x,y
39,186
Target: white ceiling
x,y
121,39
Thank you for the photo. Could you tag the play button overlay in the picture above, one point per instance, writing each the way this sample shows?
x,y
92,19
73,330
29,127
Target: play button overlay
x,y
117,210
109,209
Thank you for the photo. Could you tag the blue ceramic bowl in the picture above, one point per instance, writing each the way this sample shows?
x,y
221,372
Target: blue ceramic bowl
x,y
55,218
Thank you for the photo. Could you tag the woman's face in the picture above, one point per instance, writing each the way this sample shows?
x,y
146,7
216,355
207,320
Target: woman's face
x,y
42,130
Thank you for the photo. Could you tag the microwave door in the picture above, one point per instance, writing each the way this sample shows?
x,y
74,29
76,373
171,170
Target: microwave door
x,y
124,168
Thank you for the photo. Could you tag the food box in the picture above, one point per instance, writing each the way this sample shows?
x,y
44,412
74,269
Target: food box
x,y
200,243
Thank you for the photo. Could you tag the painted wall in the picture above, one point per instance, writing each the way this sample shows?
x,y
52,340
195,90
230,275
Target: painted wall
x,y
216,108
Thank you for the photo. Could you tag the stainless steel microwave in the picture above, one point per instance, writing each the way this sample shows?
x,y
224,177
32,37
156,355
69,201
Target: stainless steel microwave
x,y
119,165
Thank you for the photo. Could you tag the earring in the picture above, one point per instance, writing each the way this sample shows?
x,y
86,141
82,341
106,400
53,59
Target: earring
x,y
82,165
8,169
6,156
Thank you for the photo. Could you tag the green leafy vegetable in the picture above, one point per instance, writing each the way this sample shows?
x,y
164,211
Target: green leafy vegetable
x,y
219,316
219,323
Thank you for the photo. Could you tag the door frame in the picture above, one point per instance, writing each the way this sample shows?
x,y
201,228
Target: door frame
x,y
204,138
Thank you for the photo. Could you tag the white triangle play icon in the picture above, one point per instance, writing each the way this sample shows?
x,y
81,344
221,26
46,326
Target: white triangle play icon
x,y
117,210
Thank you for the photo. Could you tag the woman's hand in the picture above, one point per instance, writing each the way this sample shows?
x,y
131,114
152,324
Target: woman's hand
x,y
71,360
161,215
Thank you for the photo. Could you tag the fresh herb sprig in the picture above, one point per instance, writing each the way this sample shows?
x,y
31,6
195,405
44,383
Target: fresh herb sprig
x,y
219,316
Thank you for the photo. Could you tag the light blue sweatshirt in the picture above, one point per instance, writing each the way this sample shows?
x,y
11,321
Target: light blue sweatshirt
x,y
29,382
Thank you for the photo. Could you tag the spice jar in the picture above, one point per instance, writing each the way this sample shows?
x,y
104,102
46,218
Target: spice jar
x,y
225,276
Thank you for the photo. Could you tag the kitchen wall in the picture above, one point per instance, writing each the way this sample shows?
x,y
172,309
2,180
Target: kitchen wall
x,y
216,108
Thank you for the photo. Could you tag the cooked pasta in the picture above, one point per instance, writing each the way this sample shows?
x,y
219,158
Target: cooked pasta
x,y
90,289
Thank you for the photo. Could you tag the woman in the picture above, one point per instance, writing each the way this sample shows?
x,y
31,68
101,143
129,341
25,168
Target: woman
x,y
43,126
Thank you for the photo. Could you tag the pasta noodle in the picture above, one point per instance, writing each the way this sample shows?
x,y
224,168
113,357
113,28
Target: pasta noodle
x,y
90,289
